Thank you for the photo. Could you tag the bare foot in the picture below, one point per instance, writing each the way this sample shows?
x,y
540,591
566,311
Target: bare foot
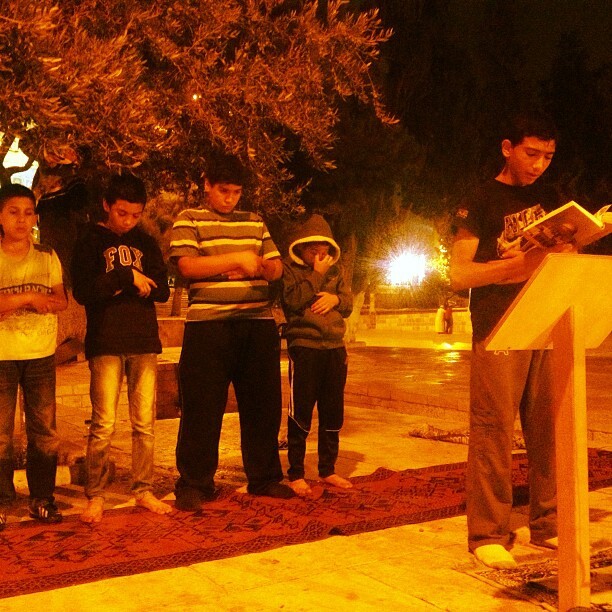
x,y
337,481
150,502
300,487
94,511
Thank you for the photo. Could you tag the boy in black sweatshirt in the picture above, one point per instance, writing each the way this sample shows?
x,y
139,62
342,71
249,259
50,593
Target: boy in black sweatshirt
x,y
118,273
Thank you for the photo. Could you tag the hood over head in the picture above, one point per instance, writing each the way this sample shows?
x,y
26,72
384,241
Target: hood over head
x,y
315,229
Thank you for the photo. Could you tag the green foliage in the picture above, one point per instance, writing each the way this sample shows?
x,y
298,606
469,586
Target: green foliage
x,y
164,85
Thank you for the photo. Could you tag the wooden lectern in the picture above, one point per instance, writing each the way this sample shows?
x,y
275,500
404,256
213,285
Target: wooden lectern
x,y
566,304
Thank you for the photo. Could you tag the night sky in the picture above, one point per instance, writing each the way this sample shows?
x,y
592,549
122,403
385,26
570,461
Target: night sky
x,y
541,23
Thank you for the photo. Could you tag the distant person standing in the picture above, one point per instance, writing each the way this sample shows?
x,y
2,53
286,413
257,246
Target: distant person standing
x,y
487,257
118,274
316,301
31,295
448,317
439,323
229,260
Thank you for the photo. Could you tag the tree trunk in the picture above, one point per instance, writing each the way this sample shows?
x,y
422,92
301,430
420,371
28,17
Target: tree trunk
x,y
177,296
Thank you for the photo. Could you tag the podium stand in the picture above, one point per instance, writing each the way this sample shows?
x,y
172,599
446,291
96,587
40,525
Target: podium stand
x,y
566,305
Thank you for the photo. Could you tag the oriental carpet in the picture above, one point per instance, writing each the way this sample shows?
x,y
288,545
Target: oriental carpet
x,y
37,557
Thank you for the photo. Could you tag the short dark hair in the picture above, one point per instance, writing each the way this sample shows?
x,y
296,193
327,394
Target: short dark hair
x,y
15,190
226,169
530,123
127,187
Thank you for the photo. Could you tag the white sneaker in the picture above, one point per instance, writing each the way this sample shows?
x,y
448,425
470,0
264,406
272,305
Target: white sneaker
x,y
495,556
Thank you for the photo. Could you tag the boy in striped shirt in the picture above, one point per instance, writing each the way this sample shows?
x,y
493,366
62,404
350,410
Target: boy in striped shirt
x,y
228,259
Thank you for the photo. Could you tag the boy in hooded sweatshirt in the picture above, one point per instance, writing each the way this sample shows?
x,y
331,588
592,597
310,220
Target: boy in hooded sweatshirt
x,y
315,300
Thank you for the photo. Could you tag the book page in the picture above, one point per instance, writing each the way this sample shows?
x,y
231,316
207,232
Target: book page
x,y
569,223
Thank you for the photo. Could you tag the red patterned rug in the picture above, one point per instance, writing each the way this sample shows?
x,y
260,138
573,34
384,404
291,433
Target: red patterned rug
x,y
37,557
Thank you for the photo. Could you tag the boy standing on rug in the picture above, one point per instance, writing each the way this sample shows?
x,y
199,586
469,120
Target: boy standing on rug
x,y
315,300
31,295
118,274
487,258
230,336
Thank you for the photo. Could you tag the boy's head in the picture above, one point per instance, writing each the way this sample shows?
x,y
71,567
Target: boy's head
x,y
17,211
528,147
311,251
313,239
225,178
124,201
532,123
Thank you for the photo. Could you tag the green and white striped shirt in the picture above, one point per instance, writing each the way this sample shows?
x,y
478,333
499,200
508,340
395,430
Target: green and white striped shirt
x,y
202,232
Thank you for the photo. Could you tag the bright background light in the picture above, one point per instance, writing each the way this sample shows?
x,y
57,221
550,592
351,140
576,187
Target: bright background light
x,y
406,269
16,157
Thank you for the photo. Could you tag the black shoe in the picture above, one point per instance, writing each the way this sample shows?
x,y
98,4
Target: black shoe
x,y
188,499
45,511
209,494
275,489
2,520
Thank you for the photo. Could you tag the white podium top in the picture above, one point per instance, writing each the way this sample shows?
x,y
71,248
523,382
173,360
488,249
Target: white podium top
x,y
562,280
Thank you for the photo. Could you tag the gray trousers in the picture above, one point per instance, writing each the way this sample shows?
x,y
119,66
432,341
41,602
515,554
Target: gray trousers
x,y
502,384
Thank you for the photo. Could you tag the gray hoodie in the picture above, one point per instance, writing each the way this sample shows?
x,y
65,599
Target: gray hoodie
x,y
301,284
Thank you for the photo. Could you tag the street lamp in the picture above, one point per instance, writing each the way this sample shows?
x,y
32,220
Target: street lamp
x,y
406,268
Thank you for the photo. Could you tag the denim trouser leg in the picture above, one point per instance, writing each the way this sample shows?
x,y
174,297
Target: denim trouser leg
x,y
106,378
38,384
9,382
37,379
141,371
104,388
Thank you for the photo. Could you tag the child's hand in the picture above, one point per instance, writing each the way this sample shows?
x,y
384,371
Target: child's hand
x,y
143,283
322,264
235,274
325,303
43,303
248,262
525,263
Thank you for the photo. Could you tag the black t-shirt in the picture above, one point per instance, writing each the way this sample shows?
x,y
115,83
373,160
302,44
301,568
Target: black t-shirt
x,y
495,214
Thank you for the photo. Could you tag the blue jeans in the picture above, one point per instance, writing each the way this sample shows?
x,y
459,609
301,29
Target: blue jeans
x,y
106,377
37,380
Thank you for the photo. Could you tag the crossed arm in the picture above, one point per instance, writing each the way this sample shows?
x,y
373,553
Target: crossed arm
x,y
237,265
41,303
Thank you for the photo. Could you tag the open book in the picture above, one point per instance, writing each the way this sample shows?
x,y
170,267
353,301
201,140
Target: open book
x,y
568,223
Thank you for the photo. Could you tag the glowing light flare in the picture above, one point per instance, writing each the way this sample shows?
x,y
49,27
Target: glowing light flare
x,y
16,157
406,268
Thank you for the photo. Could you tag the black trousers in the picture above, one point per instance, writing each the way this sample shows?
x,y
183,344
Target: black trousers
x,y
318,377
245,353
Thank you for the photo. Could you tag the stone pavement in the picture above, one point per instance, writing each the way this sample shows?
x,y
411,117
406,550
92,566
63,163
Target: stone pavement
x,y
394,390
